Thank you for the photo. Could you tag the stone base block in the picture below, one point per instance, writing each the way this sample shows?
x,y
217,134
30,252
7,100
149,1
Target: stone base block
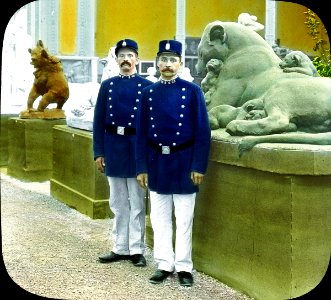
x,y
75,180
49,114
262,221
95,209
4,138
30,148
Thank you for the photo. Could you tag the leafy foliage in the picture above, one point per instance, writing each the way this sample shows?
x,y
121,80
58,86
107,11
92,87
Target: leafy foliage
x,y
317,31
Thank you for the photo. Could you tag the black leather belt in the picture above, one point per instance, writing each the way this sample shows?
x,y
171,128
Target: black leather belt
x,y
120,130
170,149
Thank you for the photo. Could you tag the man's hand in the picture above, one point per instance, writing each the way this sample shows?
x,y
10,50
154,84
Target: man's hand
x,y
196,177
100,162
143,180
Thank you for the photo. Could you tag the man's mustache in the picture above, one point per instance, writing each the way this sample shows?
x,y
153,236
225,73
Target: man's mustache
x,y
125,63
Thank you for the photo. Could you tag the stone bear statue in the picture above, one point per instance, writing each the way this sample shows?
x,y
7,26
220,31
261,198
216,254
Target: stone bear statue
x,y
50,82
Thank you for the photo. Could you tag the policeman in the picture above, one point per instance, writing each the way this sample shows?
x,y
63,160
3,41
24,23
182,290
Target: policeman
x,y
173,143
114,137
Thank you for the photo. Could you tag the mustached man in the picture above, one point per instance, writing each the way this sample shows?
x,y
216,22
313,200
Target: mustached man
x,y
114,138
173,143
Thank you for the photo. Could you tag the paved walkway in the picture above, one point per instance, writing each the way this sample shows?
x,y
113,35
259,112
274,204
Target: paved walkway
x,y
51,250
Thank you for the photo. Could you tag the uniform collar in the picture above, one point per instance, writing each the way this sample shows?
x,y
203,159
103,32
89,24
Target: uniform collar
x,y
163,81
127,76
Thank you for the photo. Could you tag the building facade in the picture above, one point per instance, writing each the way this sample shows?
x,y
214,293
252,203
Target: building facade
x,y
76,29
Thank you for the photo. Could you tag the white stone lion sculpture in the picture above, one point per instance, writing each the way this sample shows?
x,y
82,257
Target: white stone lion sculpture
x,y
279,101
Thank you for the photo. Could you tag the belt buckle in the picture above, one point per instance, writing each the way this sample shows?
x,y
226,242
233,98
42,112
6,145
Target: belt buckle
x,y
120,130
165,149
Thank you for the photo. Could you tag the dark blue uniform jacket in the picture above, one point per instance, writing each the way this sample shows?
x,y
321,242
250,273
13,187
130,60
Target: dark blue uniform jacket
x,y
172,115
117,105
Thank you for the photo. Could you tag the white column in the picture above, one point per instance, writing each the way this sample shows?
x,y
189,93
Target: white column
x,y
49,25
85,27
180,25
270,22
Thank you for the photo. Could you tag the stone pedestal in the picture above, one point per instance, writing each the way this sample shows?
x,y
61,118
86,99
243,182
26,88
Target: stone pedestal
x,y
76,180
30,148
4,138
262,222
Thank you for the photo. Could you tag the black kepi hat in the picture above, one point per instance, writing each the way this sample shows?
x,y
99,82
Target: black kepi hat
x,y
126,43
171,46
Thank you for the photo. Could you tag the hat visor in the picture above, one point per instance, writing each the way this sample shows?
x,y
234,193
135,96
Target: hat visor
x,y
131,48
169,51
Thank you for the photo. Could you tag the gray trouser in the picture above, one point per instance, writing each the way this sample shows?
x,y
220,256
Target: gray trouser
x,y
162,207
127,202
